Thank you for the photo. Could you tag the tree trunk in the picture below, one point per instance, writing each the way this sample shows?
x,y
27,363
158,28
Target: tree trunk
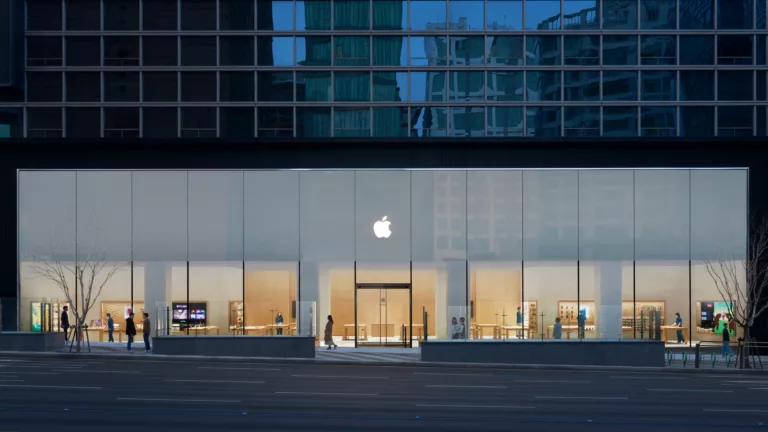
x,y
745,356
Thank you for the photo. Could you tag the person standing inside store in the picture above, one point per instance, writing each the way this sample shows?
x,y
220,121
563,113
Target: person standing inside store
x,y
581,321
65,323
279,323
110,327
130,330
679,323
727,342
329,334
147,332
519,321
557,330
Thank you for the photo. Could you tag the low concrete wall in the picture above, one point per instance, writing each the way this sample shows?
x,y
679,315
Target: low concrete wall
x,y
634,353
29,342
236,346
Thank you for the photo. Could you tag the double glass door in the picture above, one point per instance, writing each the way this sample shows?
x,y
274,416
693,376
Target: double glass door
x,y
383,315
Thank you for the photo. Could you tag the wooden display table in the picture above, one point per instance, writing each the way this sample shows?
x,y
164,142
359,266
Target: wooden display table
x,y
665,329
571,329
361,328
104,334
247,329
520,329
198,330
495,327
273,327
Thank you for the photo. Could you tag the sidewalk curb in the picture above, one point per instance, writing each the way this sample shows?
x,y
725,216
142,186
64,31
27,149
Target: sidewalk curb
x,y
138,356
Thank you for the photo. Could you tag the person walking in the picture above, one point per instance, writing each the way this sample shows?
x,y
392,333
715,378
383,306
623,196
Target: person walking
x,y
727,342
557,330
147,332
279,323
454,328
65,323
110,327
130,330
679,323
329,334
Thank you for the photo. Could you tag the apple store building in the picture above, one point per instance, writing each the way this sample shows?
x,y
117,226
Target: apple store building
x,y
395,256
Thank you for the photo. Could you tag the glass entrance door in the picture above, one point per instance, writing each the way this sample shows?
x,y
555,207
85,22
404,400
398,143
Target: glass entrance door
x,y
383,315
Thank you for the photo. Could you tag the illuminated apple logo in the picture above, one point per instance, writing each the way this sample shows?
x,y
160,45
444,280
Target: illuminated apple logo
x,y
381,228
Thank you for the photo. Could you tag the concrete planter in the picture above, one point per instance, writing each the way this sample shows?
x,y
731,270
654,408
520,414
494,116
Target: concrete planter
x,y
633,353
235,346
31,342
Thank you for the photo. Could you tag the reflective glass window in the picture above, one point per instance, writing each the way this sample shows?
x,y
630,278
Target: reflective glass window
x,y
351,122
697,85
44,51
697,121
466,15
160,51
278,86
760,18
160,14
390,15
466,51
761,122
83,86
582,85
697,14
619,50
466,121
313,122
658,14
83,15
278,15
658,85
83,122
313,51
735,85
544,50
352,86
504,121
427,86
160,86
198,14
198,122
581,15
504,86
44,122
121,51
198,87
311,15
582,50
352,51
121,15
735,121
697,50
429,50
275,121
237,122
735,14
658,50
236,51
761,50
543,85
198,51
277,50
83,50
121,122
44,87
429,15
121,86
429,121
44,15
390,121
734,49
543,15
236,15
620,14
390,86
504,15
236,86
466,86
658,121
160,122
505,50
582,121
312,86
543,121
390,51
620,85
620,121
351,14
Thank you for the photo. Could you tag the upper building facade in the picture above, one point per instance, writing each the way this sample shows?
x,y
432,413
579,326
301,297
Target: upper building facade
x,y
386,68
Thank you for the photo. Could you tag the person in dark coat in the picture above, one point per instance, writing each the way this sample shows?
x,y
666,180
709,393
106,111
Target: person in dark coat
x,y
329,334
130,330
65,322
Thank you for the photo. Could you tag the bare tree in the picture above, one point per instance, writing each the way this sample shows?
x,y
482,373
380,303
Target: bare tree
x,y
742,283
82,279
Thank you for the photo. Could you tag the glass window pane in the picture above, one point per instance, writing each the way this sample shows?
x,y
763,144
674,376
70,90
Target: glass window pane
x,y
160,122
466,86
275,121
198,14
505,86
619,121
44,51
198,51
761,50
121,122
277,50
658,121
351,122
236,122
121,51
313,86
44,87
697,121
734,49
543,85
658,14
83,15
160,86
44,15
278,86
735,14
466,51
236,86
198,87
658,50
44,122
735,85
429,121
390,87
504,15
697,50
390,51
429,15
582,50
466,14
760,18
121,15
313,51
542,15
352,86
160,51
428,50
198,122
620,14
352,51
390,122
427,86
620,85
545,50
658,85
83,86
312,15
351,14
466,121
504,121
581,15
543,121
696,85
582,121
313,122
121,86
734,121
390,15
619,50
505,50
236,15
276,15
697,14
83,122
83,51
235,51
582,85
160,14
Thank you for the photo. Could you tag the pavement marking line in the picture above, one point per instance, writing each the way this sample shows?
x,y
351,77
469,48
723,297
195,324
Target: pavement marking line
x,y
583,397
758,388
689,391
178,400
52,387
326,394
476,406
748,382
31,373
214,381
11,380
338,377
735,410
464,386
646,377
95,371
240,369
553,381
448,374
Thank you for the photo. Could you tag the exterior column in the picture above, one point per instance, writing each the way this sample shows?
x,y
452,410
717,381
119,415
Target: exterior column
x,y
608,296
158,280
